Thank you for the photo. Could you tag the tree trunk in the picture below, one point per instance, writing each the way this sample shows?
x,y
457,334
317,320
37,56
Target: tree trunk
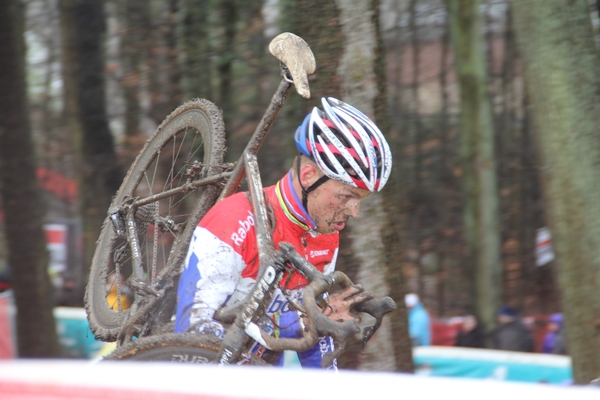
x,y
560,64
28,258
196,47
391,223
69,73
132,15
478,160
229,18
100,174
362,79
319,25
163,70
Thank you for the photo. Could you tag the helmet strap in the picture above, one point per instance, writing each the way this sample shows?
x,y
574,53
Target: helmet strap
x,y
312,187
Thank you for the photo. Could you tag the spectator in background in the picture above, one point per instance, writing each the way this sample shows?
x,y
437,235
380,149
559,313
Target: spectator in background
x,y
5,279
419,327
554,341
511,334
471,333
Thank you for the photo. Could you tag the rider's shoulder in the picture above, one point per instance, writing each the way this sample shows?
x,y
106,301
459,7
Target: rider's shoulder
x,y
237,206
231,208
237,200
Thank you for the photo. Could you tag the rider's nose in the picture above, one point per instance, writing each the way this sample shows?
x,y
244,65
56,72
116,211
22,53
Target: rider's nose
x,y
353,208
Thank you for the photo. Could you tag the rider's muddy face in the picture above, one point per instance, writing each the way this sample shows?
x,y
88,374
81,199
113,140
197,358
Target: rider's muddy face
x,y
333,203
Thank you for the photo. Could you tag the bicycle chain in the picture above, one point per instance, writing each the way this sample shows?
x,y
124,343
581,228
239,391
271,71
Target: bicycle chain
x,y
155,244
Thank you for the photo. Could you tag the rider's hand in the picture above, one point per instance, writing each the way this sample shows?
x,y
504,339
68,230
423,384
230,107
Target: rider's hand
x,y
339,304
211,328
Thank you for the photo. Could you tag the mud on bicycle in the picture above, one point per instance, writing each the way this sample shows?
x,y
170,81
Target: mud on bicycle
x,y
176,178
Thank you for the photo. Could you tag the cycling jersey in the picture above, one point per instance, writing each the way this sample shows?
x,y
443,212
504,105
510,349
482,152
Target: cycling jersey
x,y
222,262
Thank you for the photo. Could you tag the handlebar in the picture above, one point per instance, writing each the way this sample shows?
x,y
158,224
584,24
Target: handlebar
x,y
316,324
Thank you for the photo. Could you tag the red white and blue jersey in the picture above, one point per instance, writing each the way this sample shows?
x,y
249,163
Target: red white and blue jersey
x,y
222,261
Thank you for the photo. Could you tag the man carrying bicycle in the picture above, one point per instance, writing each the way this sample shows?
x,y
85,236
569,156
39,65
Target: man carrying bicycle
x,y
343,158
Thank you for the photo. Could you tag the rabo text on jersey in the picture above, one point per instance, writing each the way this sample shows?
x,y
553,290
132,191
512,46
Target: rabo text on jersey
x,y
245,225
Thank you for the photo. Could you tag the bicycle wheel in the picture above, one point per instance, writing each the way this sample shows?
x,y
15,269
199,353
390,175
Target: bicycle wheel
x,y
175,347
193,135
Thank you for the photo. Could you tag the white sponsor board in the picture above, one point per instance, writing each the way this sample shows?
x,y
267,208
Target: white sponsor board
x,y
543,247
56,237
148,381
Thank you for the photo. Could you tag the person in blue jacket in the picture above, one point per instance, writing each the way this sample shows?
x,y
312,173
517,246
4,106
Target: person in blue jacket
x,y
419,325
554,341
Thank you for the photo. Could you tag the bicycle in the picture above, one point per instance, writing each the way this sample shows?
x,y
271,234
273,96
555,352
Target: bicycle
x,y
147,233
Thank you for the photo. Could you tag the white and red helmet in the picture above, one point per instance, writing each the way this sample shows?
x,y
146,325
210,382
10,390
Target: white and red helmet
x,y
346,145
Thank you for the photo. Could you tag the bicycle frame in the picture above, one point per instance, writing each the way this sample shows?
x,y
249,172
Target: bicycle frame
x,y
273,263
232,181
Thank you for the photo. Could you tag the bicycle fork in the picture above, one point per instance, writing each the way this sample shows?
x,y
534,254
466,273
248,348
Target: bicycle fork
x,y
271,272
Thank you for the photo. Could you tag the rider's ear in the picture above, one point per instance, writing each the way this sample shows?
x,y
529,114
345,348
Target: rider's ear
x,y
309,174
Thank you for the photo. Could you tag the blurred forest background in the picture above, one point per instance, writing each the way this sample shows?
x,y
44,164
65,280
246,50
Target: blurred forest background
x,y
457,224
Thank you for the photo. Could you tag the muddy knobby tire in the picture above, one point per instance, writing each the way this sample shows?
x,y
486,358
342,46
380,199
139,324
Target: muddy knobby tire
x,y
190,348
194,132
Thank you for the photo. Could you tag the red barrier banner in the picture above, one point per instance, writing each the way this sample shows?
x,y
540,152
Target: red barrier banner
x,y
7,347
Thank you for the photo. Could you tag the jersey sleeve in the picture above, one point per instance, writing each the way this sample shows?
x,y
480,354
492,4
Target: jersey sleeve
x,y
211,273
214,263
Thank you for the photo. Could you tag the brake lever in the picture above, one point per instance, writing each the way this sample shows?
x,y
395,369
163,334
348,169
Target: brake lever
x,y
378,308
368,333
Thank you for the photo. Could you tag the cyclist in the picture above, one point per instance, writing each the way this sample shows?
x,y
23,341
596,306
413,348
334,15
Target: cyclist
x,y
343,158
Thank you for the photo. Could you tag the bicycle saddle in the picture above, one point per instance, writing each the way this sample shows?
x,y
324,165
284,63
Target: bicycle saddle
x,y
297,56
